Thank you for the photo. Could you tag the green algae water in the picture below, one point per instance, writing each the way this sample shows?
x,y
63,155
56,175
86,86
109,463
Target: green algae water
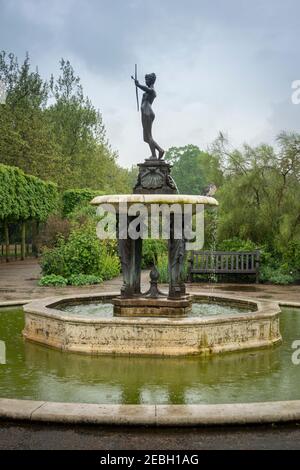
x,y
39,373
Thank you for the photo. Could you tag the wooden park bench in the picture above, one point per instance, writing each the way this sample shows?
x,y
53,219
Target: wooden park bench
x,y
223,262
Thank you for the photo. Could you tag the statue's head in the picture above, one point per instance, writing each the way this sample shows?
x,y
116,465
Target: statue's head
x,y
150,79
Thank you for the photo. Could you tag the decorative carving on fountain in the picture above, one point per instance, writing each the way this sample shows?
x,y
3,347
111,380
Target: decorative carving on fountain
x,y
155,178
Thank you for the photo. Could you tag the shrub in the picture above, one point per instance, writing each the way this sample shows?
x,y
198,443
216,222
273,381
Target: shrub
x,y
276,275
236,244
84,280
55,228
291,254
53,260
152,249
110,266
82,253
52,280
76,197
162,267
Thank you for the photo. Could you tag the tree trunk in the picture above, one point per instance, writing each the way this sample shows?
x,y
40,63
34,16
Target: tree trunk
x,y
23,242
6,236
35,233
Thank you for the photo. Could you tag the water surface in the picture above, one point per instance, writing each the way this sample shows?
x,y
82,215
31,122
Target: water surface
x,y
39,373
105,310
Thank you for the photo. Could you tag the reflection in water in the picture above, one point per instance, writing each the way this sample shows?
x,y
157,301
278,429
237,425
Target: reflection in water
x,y
37,372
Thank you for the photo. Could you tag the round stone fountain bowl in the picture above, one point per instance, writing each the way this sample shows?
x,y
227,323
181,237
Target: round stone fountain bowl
x,y
62,323
117,200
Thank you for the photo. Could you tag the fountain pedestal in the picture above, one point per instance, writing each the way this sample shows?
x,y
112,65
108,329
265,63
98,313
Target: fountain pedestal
x,y
154,177
149,307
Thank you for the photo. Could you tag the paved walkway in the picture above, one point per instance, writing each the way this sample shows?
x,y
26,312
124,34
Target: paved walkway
x,y
18,280
20,436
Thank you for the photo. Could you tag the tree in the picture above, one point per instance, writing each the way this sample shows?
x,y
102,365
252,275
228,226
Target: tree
x,y
260,197
51,130
26,139
193,169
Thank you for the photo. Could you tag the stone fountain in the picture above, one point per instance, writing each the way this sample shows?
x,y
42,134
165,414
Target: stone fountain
x,y
151,322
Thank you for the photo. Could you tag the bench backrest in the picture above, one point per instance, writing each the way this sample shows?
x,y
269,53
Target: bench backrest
x,y
224,262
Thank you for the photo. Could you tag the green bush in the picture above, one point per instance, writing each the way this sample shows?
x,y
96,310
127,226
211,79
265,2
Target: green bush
x,y
53,260
81,253
236,244
152,249
24,197
52,280
84,280
162,267
291,255
55,228
73,198
110,266
276,275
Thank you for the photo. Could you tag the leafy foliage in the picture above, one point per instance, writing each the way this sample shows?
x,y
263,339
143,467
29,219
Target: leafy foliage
x,y
50,129
276,276
84,280
236,244
193,169
162,267
55,228
52,280
73,198
74,280
81,253
24,197
152,249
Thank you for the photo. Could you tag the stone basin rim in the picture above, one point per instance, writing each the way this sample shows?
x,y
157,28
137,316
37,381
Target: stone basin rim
x,y
150,415
116,199
46,307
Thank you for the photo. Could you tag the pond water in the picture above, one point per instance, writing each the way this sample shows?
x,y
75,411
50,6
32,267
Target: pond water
x,y
105,310
39,373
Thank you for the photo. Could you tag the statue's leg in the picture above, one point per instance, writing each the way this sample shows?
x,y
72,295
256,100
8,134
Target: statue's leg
x,y
161,151
153,149
147,121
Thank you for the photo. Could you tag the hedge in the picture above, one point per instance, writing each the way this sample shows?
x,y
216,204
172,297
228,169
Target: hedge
x,y
74,197
25,197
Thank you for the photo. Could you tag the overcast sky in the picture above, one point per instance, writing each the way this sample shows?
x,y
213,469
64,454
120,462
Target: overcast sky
x,y
221,65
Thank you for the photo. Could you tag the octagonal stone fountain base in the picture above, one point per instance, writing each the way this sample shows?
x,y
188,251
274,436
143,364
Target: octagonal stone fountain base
x,y
257,327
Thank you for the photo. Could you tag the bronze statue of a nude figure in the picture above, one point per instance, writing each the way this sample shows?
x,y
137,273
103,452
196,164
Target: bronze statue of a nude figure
x,y
148,115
